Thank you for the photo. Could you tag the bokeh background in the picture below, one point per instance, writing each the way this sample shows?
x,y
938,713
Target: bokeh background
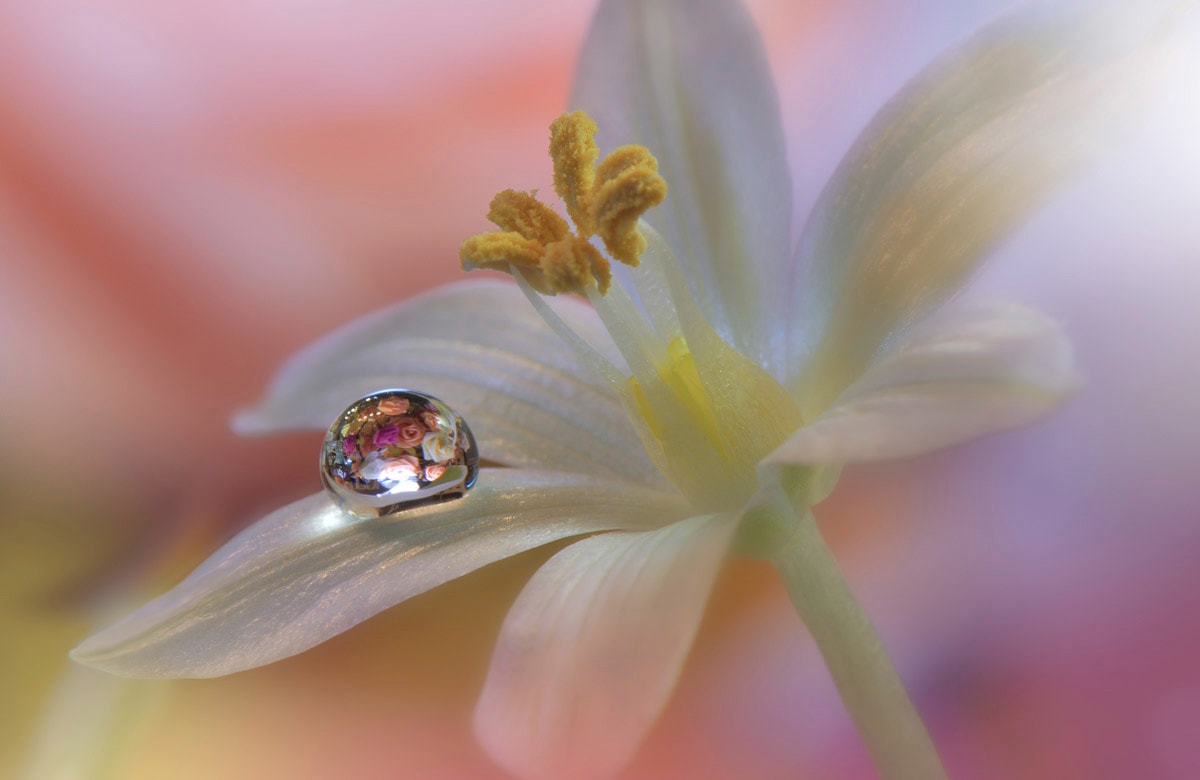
x,y
190,191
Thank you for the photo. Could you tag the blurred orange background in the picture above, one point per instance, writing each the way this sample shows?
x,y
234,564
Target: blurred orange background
x,y
191,191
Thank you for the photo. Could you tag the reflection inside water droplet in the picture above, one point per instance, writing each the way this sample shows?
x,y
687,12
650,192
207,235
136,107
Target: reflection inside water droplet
x,y
395,449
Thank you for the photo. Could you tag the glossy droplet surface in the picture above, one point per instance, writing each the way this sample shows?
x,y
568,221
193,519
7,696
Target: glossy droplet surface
x,y
395,449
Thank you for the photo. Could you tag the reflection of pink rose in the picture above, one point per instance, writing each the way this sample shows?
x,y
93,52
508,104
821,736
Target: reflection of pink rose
x,y
434,471
394,405
388,434
432,420
400,469
348,446
409,431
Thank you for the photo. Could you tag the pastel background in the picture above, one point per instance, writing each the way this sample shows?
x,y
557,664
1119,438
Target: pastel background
x,y
190,191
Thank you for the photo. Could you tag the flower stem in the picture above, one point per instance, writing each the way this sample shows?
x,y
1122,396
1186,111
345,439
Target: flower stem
x,y
865,677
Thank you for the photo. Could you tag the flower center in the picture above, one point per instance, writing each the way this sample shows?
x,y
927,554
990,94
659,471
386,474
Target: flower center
x,y
681,377
705,413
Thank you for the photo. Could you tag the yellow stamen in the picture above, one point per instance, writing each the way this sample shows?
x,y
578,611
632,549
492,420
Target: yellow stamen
x,y
504,251
574,152
604,201
628,185
574,264
497,249
521,212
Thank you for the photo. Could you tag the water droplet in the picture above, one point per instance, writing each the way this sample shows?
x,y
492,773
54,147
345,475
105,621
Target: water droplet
x,y
396,449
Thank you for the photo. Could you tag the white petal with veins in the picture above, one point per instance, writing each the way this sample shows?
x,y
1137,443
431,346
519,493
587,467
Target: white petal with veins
x,y
483,350
593,646
690,81
964,373
965,152
308,572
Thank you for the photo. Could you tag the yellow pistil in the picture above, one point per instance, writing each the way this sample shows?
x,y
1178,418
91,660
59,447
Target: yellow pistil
x,y
604,201
681,377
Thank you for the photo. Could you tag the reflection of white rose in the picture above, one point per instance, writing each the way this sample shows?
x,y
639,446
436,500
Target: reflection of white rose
x,y
439,445
376,467
371,467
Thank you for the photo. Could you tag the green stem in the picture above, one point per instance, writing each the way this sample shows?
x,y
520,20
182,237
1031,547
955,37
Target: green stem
x,y
865,677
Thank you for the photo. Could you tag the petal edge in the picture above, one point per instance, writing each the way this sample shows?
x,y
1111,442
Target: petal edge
x,y
593,646
308,572
968,372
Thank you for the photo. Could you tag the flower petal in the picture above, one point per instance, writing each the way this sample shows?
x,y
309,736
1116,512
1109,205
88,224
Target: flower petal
x,y
308,572
593,646
482,349
960,375
690,81
958,158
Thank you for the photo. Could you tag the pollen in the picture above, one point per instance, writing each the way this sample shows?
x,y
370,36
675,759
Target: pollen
x,y
604,201
522,212
574,153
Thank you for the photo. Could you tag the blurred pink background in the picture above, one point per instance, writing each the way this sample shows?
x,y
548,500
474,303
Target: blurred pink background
x,y
191,191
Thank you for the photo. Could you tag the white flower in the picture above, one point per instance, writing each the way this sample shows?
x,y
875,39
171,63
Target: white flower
x,y
372,466
748,372
439,445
